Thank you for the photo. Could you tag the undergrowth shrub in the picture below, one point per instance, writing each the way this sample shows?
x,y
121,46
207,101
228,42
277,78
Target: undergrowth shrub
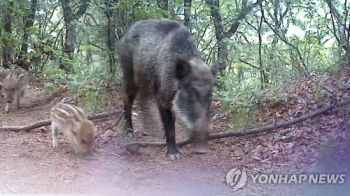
x,y
241,100
87,82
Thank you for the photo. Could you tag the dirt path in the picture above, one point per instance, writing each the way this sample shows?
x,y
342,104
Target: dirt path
x,y
28,164
29,168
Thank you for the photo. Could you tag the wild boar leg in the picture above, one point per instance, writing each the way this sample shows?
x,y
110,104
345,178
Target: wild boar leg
x,y
168,120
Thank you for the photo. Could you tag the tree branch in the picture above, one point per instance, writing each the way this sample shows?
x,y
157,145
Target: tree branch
x,y
240,17
97,46
288,43
91,116
341,26
84,5
245,62
244,37
264,129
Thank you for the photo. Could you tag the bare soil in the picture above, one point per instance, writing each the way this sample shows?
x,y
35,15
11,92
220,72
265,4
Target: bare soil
x,y
29,165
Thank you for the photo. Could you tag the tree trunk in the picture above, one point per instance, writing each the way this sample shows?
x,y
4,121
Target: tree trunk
x,y
187,13
163,4
71,34
222,54
29,20
6,24
263,77
343,31
278,17
220,32
111,40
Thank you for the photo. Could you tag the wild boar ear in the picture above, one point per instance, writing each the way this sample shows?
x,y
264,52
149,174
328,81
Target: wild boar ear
x,y
182,68
74,132
215,68
76,128
22,78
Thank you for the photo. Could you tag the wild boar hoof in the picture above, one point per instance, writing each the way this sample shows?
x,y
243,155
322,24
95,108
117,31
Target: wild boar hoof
x,y
200,149
174,154
54,144
130,133
175,157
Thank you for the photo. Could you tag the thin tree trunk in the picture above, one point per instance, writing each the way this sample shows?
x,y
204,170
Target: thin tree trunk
x,y
261,65
6,24
111,40
163,4
71,34
29,20
220,32
222,54
343,31
187,13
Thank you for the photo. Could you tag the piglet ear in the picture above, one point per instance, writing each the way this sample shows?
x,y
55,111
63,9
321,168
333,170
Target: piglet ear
x,y
182,68
75,130
23,78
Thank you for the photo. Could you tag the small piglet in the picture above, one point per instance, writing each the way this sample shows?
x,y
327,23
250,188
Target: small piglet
x,y
74,124
13,86
3,73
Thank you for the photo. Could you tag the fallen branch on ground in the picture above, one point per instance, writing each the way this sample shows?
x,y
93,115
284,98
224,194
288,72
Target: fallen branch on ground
x,y
264,129
90,116
46,99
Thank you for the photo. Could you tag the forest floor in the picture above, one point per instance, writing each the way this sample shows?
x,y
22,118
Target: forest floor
x,y
29,165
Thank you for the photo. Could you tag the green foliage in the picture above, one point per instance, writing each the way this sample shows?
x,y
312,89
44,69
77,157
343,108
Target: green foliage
x,y
303,41
7,40
243,99
89,83
56,75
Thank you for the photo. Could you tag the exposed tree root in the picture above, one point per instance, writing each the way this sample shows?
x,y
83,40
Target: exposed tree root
x,y
90,116
236,133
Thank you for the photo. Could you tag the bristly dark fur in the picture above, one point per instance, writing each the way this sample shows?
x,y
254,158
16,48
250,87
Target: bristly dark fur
x,y
159,59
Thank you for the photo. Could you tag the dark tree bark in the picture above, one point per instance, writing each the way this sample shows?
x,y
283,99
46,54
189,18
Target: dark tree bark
x,y
6,24
111,40
71,34
221,34
187,13
278,16
28,22
263,77
222,53
163,4
342,30
297,62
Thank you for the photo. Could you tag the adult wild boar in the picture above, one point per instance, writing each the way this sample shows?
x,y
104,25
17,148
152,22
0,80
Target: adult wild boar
x,y
159,59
